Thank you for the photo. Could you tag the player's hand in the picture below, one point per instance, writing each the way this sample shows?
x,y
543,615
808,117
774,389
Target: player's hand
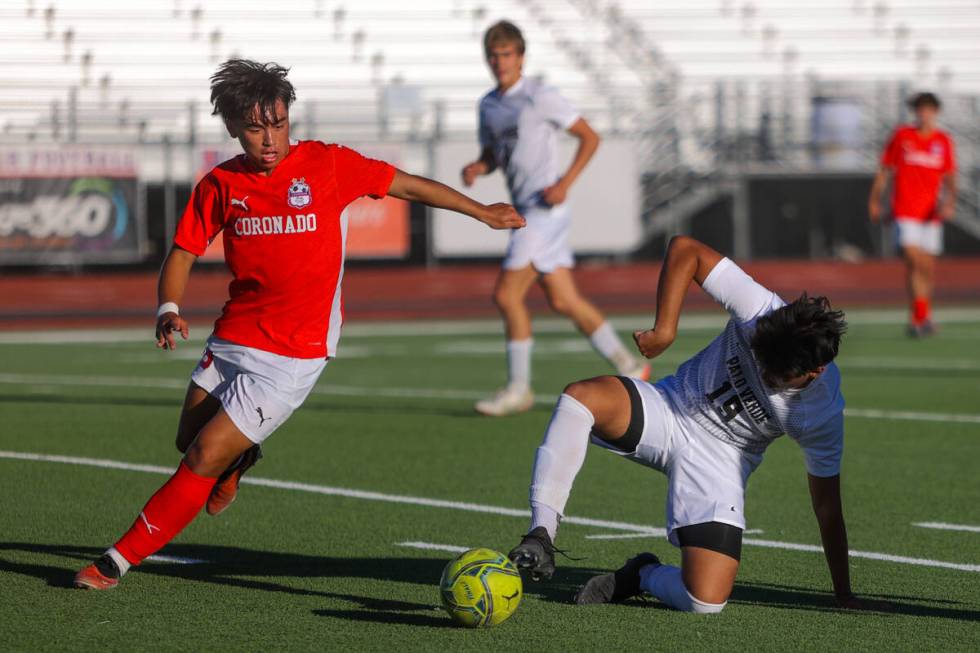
x,y
947,211
555,194
874,210
166,325
472,171
502,216
651,342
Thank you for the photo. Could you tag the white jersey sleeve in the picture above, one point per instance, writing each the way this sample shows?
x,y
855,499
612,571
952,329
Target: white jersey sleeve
x,y
554,108
817,423
740,294
483,132
823,447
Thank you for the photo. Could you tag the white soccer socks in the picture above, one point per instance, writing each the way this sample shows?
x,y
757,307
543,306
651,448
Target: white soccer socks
x,y
519,364
121,562
607,343
558,461
665,583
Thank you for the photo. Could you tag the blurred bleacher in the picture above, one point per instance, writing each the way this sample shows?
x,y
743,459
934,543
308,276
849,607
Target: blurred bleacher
x,y
111,70
706,89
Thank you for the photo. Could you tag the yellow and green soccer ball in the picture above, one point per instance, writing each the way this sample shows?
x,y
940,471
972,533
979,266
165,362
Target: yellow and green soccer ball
x,y
480,588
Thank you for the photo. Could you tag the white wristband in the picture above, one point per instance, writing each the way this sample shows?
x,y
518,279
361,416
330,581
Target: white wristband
x,y
168,307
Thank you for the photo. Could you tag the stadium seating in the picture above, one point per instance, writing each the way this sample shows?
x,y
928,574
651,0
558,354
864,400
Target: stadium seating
x,y
138,68
697,84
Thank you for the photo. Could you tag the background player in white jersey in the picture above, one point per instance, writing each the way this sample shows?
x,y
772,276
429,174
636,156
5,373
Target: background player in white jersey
x,y
770,372
519,121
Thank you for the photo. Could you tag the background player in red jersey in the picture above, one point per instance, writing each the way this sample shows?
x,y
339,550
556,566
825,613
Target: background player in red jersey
x,y
920,157
280,207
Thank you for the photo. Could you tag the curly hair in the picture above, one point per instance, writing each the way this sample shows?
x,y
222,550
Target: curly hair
x,y
798,338
241,84
502,33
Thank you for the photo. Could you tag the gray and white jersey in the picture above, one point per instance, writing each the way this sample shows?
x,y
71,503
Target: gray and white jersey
x,y
520,126
721,388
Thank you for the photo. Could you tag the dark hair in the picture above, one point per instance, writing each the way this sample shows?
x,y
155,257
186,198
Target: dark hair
x,y
503,32
240,84
924,100
797,338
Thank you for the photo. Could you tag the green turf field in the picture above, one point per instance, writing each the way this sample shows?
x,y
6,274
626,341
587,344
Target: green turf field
x,y
323,565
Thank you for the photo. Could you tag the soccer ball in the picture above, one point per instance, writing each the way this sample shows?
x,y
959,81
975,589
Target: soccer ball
x,y
480,588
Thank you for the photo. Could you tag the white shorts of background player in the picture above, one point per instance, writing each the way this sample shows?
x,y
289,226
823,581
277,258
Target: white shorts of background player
x,y
258,389
927,236
543,243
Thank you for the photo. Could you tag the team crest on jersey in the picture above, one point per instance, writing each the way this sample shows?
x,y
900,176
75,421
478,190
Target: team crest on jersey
x,y
299,194
206,359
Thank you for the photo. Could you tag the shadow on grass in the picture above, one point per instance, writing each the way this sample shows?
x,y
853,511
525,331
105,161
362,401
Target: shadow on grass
x,y
259,570
333,405
797,598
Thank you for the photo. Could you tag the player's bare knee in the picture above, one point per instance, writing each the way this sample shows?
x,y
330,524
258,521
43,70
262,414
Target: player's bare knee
x,y
561,304
579,390
506,300
589,392
206,460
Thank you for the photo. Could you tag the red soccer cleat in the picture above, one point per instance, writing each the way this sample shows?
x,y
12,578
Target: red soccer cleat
x,y
641,371
226,489
90,578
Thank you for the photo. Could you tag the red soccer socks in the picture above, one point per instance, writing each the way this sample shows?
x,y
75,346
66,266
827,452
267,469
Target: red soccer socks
x,y
166,514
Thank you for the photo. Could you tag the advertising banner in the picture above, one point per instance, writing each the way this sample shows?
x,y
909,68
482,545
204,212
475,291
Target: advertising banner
x,y
376,228
604,202
70,205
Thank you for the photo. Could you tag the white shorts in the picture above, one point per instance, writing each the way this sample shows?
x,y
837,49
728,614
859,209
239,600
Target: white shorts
x,y
706,477
258,389
927,236
543,243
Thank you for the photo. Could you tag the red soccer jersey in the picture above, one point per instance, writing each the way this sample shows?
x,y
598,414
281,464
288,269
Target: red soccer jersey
x,y
920,162
284,242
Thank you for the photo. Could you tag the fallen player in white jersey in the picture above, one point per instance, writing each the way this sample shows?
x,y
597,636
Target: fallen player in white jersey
x,y
769,373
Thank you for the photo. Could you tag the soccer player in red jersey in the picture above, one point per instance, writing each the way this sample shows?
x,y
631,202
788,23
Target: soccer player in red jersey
x,y
280,207
920,157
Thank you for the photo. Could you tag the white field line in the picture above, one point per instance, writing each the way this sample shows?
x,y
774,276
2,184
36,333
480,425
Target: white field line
x,y
467,507
707,320
418,393
653,532
560,349
430,546
912,416
943,526
176,560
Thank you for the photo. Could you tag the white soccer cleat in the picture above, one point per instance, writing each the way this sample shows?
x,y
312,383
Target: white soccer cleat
x,y
508,401
641,371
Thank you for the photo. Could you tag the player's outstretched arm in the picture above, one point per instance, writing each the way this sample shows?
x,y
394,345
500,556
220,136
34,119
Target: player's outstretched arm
x,y
687,260
174,274
486,164
825,496
948,207
588,143
877,190
419,189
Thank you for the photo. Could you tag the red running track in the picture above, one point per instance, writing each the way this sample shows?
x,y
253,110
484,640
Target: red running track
x,y
114,299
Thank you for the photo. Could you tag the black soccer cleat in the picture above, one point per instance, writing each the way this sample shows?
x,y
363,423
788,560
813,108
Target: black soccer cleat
x,y
620,585
535,553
